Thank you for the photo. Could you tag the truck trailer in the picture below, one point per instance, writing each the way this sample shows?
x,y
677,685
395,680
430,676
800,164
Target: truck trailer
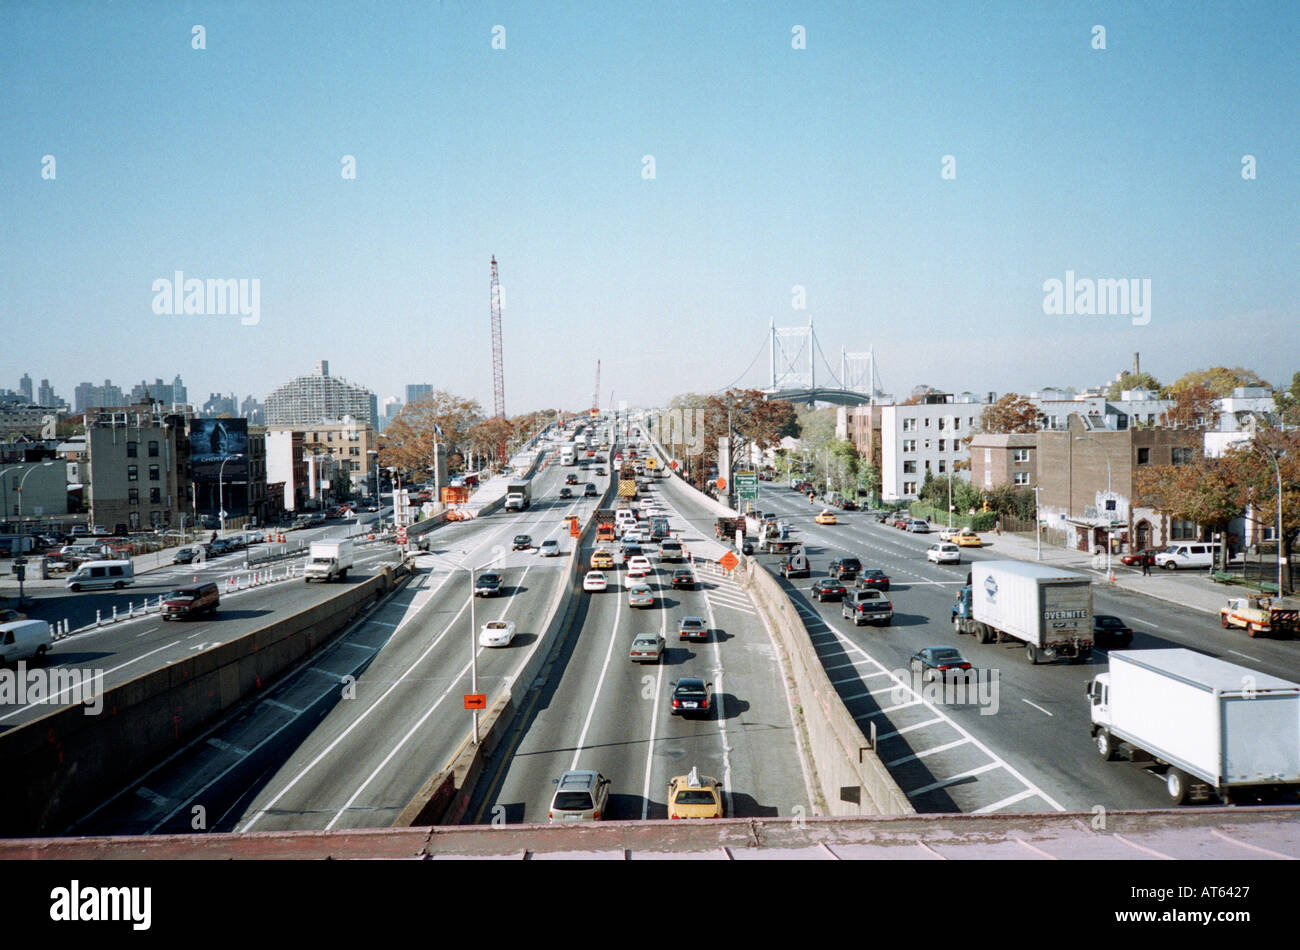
x,y
1045,608
1214,726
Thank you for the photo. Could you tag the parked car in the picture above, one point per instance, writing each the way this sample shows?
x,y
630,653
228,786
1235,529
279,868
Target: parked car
x,y
647,648
690,695
580,795
933,661
1146,556
186,602
917,526
828,588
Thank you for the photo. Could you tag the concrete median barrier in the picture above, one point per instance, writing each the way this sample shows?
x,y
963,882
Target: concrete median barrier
x,y
62,765
849,773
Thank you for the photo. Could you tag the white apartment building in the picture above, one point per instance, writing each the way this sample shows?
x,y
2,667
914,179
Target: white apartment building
x,y
925,437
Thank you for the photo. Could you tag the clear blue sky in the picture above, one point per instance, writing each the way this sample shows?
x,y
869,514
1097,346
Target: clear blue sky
x,y
775,167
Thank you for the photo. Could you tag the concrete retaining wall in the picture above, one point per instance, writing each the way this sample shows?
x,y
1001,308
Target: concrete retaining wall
x,y
60,766
845,765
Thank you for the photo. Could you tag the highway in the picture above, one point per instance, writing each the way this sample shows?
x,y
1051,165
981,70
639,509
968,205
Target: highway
x,y
599,710
1030,750
129,648
348,739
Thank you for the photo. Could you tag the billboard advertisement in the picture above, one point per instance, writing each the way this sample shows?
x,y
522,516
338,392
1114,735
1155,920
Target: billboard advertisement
x,y
212,442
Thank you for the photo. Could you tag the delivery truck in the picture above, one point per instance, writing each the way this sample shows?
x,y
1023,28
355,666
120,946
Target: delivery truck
x,y
328,559
1047,609
1215,727
519,495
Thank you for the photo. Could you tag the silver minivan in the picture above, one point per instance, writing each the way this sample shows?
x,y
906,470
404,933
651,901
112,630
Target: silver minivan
x,y
23,640
580,795
114,574
1201,554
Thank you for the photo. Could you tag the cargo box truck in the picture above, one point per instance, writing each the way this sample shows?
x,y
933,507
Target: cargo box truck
x,y
328,559
1045,608
1215,726
518,495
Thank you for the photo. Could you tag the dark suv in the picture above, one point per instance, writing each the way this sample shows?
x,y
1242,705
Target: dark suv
x,y
845,568
186,602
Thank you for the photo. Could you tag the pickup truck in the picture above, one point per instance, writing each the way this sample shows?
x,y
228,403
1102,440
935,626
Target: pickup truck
x,y
1260,615
867,606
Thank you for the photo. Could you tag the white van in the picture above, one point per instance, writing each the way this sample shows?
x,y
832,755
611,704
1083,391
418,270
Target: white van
x,y
1200,554
115,574
23,640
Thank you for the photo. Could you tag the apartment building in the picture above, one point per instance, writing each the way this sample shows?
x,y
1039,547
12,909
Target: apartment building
x,y
137,471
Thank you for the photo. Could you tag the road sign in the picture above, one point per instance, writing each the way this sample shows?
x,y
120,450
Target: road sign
x,y
746,479
673,463
476,701
401,535
721,483
729,561
574,530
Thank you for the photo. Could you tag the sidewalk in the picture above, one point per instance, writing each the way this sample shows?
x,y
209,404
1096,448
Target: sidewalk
x,y
1192,589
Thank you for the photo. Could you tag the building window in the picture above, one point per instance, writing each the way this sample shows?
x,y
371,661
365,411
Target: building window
x,y
155,519
942,469
155,496
153,473
909,488
133,496
153,449
1144,456
988,456
942,442
909,445
1184,456
909,467
1020,455
942,420
1020,478
132,473
909,425
927,465
132,449
956,422
1182,530
927,444
134,520
927,423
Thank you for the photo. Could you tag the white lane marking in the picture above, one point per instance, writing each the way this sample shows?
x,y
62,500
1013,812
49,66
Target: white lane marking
x,y
887,709
921,755
952,779
1005,803
1248,657
1036,706
152,797
720,706
276,704
595,698
906,729
654,715
53,696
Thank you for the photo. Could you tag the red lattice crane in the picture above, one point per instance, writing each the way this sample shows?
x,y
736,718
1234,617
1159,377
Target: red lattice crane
x,y
595,396
498,362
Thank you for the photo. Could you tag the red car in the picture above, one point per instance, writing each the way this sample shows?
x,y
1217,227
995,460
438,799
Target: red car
x,y
1138,558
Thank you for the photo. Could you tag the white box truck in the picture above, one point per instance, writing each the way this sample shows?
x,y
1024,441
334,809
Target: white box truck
x,y
1218,727
1047,609
519,495
567,455
328,559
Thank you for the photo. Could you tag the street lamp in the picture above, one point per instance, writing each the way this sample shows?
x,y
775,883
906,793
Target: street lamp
x,y
1038,523
1273,457
1106,455
473,632
221,494
22,482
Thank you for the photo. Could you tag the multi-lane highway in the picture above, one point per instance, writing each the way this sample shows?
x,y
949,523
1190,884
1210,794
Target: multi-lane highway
x,y
1022,743
599,710
348,739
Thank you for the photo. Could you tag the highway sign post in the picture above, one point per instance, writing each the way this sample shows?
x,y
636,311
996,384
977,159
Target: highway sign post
x,y
747,485
476,701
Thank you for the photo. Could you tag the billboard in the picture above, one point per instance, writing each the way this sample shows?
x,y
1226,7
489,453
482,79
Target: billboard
x,y
212,442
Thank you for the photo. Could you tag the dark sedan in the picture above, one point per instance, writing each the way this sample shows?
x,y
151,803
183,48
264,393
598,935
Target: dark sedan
x,y
683,577
690,696
566,492
933,661
874,578
487,585
522,542
828,588
1110,629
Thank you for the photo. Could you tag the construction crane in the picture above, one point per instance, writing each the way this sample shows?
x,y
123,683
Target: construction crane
x,y
498,362
595,396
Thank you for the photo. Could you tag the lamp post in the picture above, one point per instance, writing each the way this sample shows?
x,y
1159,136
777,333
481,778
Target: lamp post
x,y
22,482
1277,469
1038,524
949,497
221,493
1106,455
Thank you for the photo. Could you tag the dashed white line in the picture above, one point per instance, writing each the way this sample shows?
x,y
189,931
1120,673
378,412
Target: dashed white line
x,y
1036,706
921,755
952,779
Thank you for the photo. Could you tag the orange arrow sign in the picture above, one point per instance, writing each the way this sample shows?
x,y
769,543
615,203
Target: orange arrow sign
x,y
476,701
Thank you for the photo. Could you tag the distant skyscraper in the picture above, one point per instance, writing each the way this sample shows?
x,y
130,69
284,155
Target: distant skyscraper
x,y
219,405
307,400
25,387
253,411
415,391
45,395
90,396
179,394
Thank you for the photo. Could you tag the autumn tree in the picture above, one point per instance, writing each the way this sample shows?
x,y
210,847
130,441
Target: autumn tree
x,y
487,435
918,394
1133,381
1012,413
1272,453
407,443
1207,491
1219,380
1287,402
1194,407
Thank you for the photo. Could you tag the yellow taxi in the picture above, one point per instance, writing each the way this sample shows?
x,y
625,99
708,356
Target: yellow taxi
x,y
826,517
602,561
969,539
694,796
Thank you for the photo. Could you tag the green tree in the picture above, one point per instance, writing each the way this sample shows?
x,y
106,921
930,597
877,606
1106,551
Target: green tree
x,y
1133,381
1219,380
1287,401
